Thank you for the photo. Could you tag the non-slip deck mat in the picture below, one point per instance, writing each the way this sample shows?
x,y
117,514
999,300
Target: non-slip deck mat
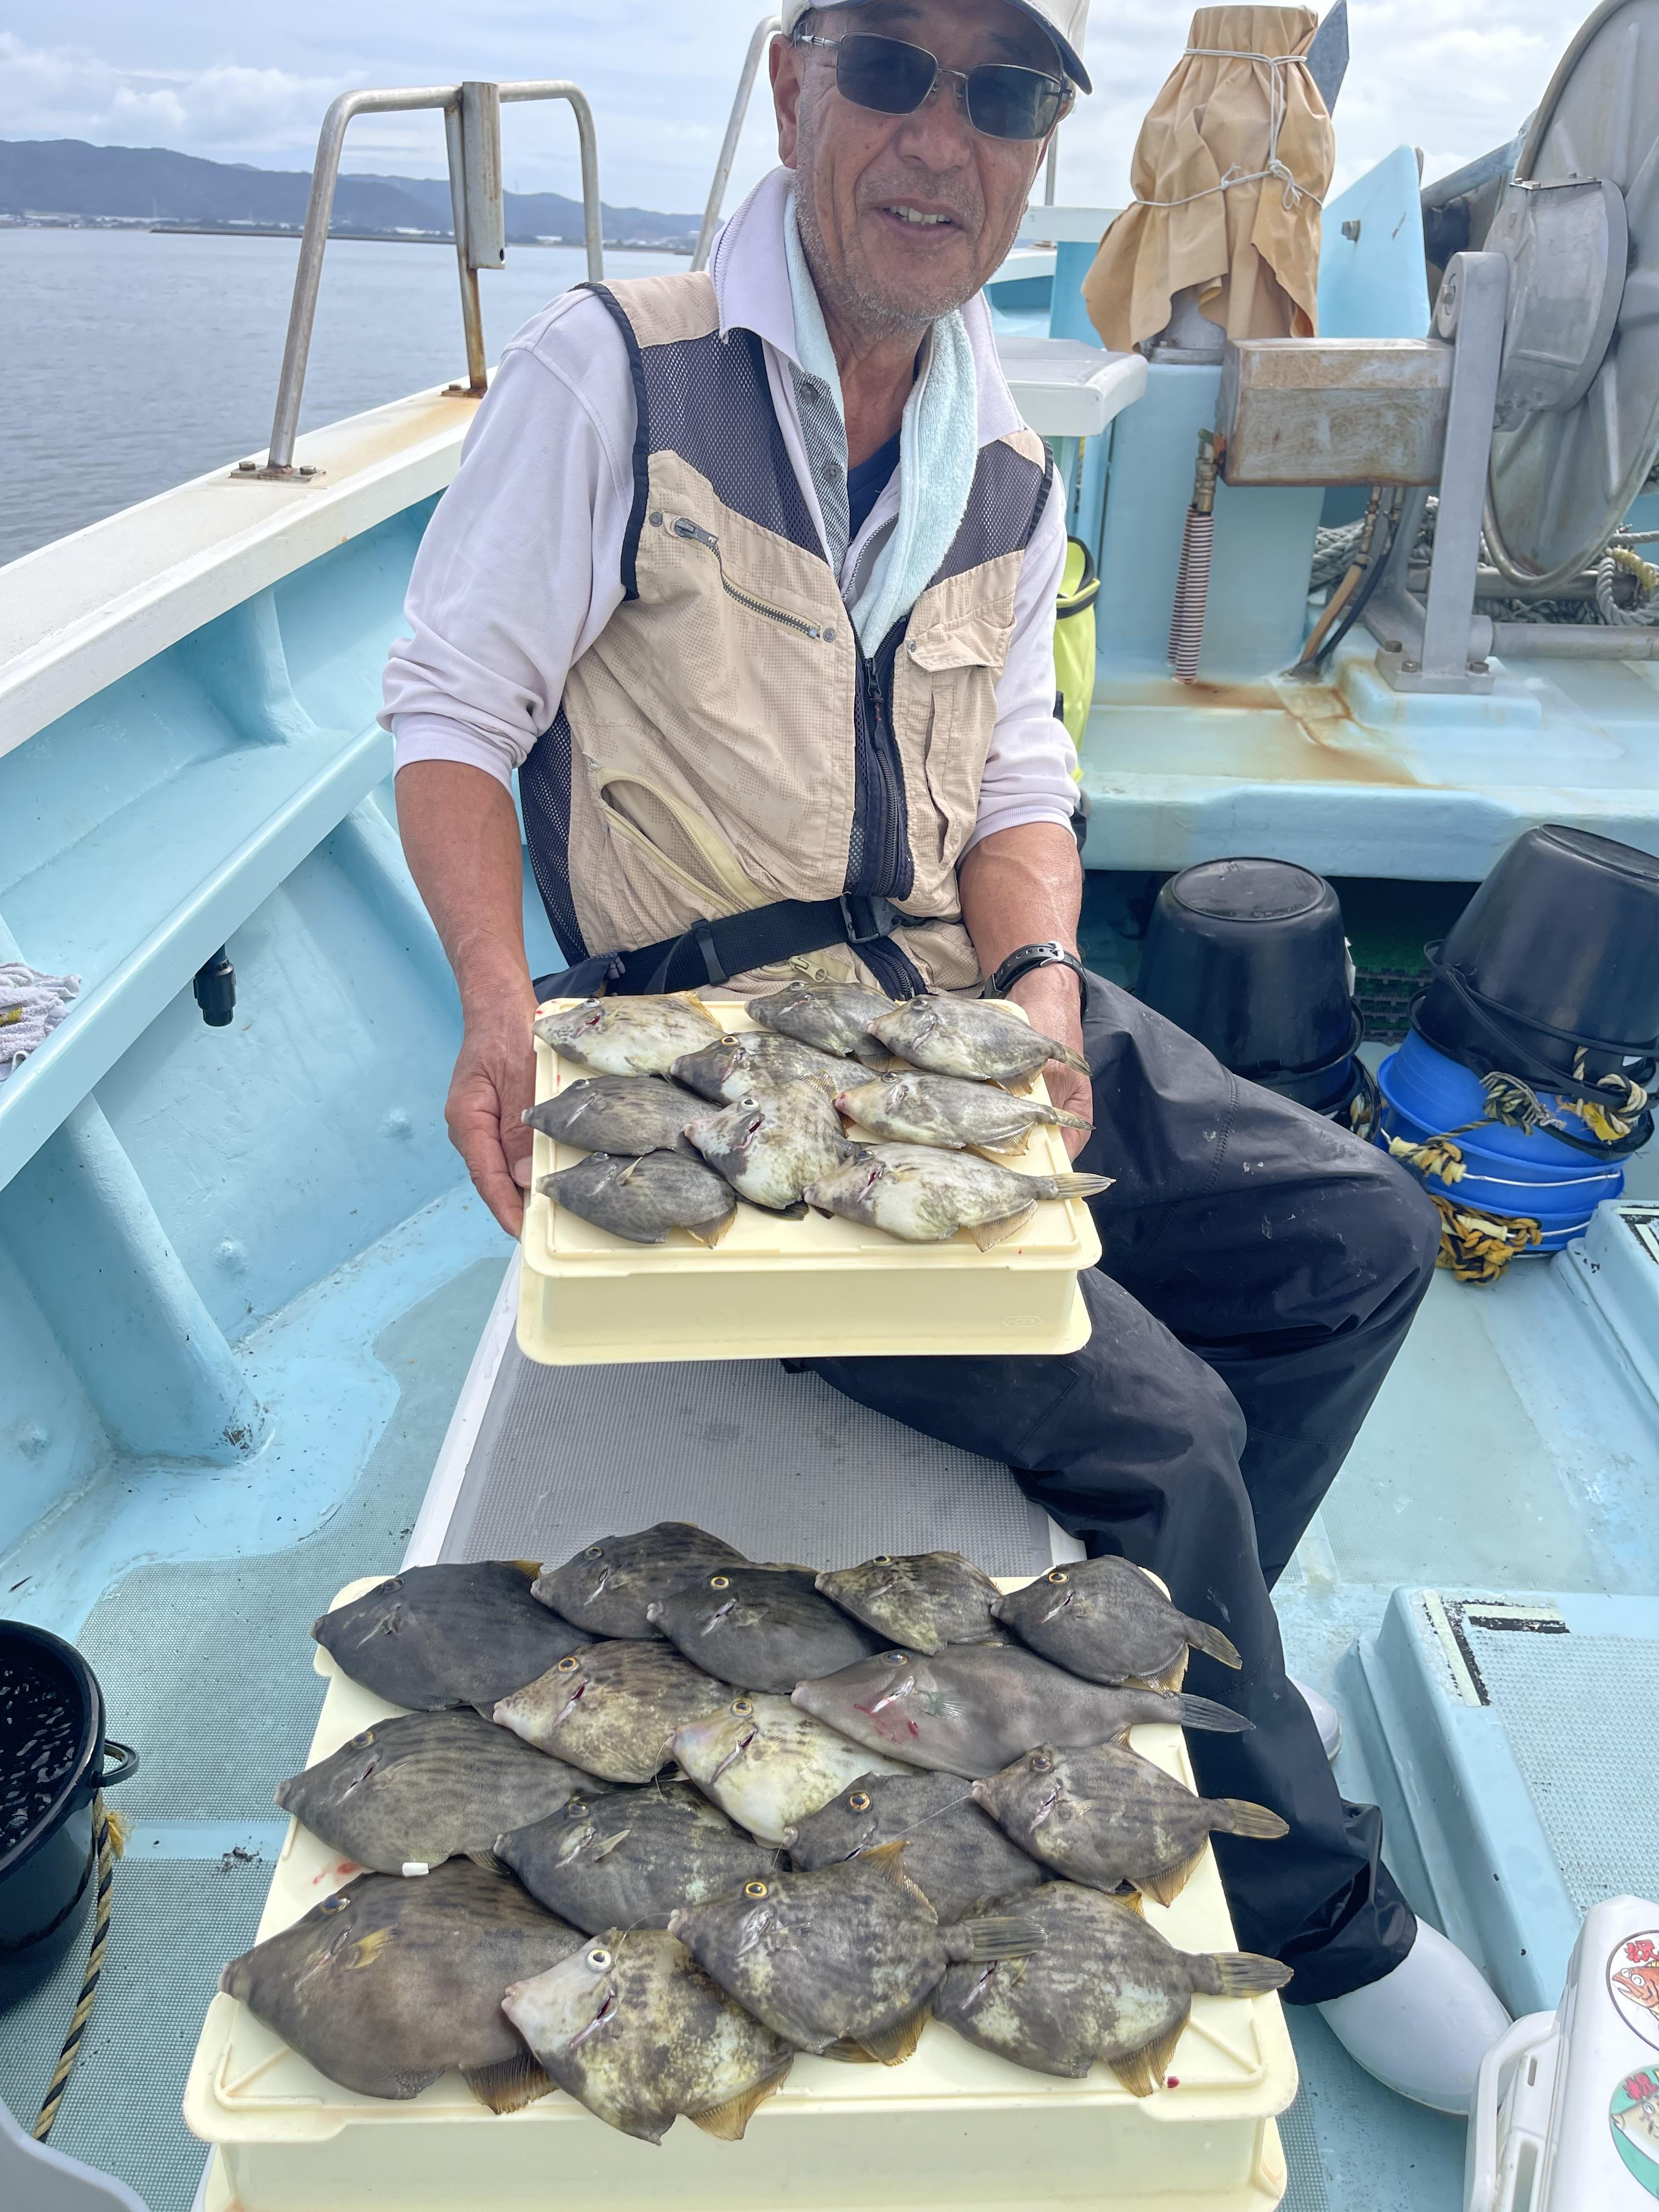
x,y
777,1463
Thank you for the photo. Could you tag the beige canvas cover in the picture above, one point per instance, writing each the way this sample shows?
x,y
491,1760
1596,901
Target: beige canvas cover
x,y
1230,168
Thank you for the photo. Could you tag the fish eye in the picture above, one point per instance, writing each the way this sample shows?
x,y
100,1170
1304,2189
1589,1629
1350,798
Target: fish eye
x,y
569,1666
1042,1766
719,1582
335,1903
576,1809
742,1708
593,1551
598,1958
1060,1575
897,1657
858,1802
361,1742
882,1559
755,1889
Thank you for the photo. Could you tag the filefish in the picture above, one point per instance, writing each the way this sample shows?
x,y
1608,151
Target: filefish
x,y
766,1764
973,1709
1104,1985
405,1795
770,1147
641,1200
632,2027
923,1195
749,1065
947,1110
629,1037
954,1853
608,1585
846,1957
387,1983
627,1858
761,1628
626,1114
611,1708
965,1036
1106,1620
1106,1816
834,1017
922,1601
456,1635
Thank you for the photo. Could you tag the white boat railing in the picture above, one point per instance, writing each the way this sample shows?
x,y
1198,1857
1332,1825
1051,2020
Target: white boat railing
x,y
765,29
472,127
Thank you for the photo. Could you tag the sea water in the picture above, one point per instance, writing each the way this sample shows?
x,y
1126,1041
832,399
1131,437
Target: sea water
x,y
133,360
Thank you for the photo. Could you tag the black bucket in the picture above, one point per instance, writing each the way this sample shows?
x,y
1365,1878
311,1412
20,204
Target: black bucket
x,y
1249,957
1557,951
51,1766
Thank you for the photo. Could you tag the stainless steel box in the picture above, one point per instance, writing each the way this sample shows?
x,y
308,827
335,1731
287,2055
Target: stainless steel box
x,y
1333,410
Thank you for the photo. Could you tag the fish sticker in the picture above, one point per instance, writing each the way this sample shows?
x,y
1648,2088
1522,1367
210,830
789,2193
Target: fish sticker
x,y
1633,1982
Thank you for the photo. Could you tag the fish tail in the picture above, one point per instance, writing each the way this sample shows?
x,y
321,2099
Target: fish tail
x,y
1211,1641
1236,1973
1081,1186
1056,1118
999,1937
1205,1713
1074,1059
1235,1816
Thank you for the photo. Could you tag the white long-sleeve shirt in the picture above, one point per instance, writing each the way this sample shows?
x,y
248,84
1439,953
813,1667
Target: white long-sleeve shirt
x,y
520,567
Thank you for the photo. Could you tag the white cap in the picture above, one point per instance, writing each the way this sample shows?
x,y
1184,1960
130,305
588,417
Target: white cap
x,y
1065,20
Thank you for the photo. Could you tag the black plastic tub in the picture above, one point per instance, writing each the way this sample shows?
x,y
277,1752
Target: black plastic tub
x,y
52,1753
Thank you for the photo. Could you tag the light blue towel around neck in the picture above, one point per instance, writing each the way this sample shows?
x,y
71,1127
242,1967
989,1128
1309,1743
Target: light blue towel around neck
x,y
938,450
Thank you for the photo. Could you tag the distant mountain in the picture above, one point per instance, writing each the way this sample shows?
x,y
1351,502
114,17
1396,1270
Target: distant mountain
x,y
69,179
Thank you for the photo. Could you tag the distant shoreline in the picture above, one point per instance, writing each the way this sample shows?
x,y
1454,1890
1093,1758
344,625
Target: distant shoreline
x,y
373,237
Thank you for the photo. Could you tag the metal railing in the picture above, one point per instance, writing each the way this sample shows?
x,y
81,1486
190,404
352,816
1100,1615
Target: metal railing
x,y
765,30
472,129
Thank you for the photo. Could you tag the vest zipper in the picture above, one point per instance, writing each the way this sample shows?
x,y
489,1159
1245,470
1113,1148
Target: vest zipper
x,y
694,533
884,863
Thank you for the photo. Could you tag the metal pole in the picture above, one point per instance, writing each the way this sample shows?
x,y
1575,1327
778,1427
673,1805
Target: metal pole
x,y
593,213
1473,298
765,29
471,308
1051,175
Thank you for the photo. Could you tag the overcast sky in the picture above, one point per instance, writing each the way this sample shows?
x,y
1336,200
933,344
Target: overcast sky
x,y
249,84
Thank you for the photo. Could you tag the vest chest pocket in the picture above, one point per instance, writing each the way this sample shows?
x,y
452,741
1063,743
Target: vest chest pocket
x,y
952,670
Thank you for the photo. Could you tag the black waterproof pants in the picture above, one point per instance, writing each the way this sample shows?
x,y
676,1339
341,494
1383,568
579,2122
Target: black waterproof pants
x,y
1260,1270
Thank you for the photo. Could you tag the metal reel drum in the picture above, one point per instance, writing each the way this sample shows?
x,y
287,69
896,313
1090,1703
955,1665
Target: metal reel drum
x,y
1561,482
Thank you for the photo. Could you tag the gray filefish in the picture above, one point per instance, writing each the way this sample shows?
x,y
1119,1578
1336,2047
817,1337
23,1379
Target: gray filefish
x,y
834,1017
766,1764
955,1855
849,1955
387,1983
1108,1621
641,1200
923,1195
1104,1985
965,1036
628,1857
761,1628
410,1793
606,1587
768,1148
922,1601
629,1037
632,2027
974,1708
749,1065
611,1709
626,1114
1105,1816
948,1110
463,1634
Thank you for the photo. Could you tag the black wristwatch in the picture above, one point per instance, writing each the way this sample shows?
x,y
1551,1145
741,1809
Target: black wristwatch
x,y
1028,956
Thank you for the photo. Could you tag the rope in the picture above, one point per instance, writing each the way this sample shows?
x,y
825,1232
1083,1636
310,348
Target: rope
x,y
1333,552
1642,612
1436,1156
109,1837
1278,108
1476,1246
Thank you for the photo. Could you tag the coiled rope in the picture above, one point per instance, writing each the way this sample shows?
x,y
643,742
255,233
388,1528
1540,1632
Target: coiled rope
x,y
1621,559
109,1842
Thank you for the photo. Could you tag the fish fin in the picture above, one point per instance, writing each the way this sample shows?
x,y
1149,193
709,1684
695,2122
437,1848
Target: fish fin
x,y
1003,1936
1130,1899
1169,1681
1071,1058
612,1843
987,1235
1205,1713
998,1159
895,2045
1163,1889
1082,1186
368,1948
1211,1641
1236,1973
531,1568
872,1052
1144,2070
1235,1816
709,1233
489,1862
1057,1120
847,2052
509,2085
728,2121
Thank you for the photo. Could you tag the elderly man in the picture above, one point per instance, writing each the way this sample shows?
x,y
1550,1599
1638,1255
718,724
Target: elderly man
x,y
750,578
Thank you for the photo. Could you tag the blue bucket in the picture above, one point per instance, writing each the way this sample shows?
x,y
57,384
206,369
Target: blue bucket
x,y
1509,1172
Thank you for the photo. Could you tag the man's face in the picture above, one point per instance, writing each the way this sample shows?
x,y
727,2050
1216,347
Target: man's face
x,y
862,179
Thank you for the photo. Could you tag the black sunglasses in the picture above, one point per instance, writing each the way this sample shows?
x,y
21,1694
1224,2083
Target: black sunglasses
x,y
893,77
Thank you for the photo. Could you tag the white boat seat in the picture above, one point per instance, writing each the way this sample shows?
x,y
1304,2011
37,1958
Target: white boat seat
x,y
1066,388
35,2178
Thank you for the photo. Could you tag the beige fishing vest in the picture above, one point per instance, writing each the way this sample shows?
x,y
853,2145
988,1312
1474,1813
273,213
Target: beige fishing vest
x,y
724,742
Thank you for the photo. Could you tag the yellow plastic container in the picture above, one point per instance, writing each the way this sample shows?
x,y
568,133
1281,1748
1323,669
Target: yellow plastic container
x,y
780,1290
955,2127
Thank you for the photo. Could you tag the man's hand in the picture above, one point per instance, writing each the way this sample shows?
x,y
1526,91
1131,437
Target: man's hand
x,y
494,1084
1051,999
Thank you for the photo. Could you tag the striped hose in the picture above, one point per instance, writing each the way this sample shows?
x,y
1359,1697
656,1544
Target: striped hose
x,y
1193,582
107,1842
